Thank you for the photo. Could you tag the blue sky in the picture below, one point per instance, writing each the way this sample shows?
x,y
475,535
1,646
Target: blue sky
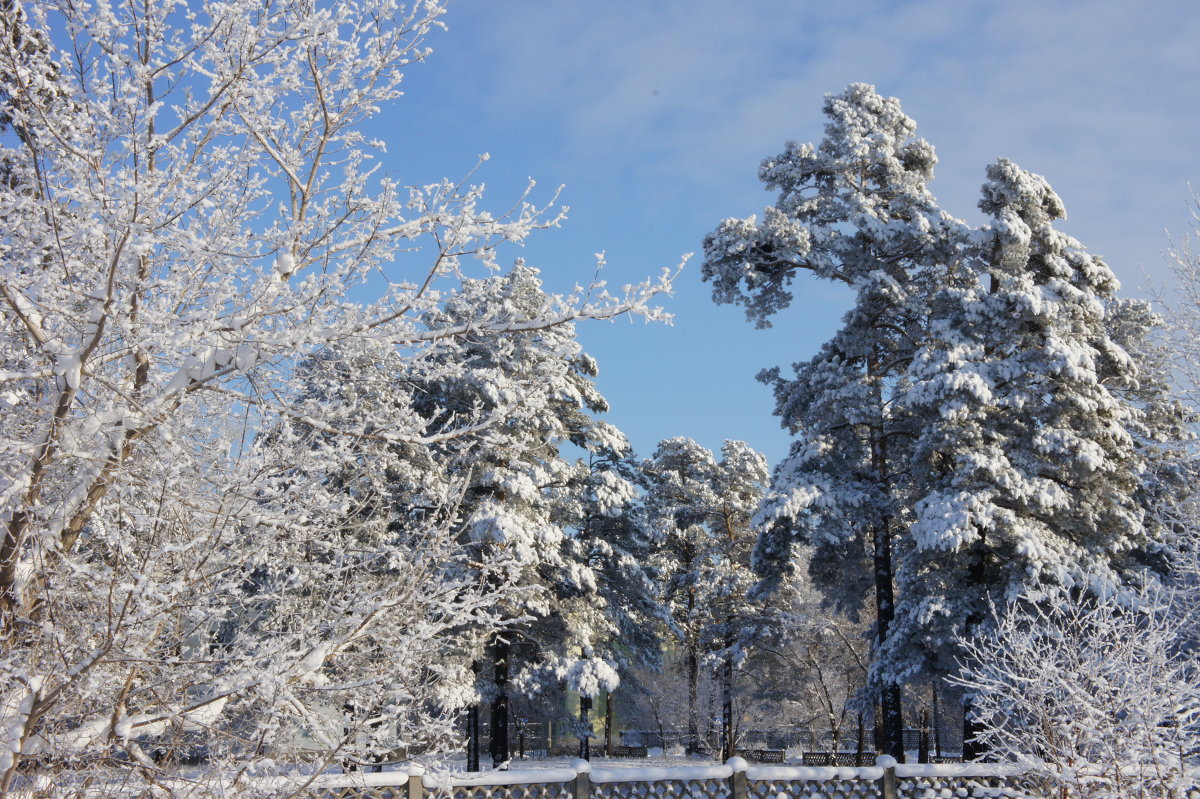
x,y
655,114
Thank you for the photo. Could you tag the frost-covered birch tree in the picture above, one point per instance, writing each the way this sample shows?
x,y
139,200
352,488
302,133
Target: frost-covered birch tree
x,y
191,212
1181,304
855,209
1181,308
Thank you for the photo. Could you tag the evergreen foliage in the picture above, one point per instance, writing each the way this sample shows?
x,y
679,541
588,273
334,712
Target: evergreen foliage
x,y
988,423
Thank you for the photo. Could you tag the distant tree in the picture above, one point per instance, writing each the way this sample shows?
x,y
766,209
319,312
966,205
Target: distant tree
x,y
525,501
614,538
1180,303
701,510
813,662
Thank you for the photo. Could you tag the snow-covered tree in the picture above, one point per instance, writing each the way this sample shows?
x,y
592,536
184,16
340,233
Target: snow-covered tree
x,y
525,499
991,419
814,663
701,509
1035,463
191,212
1093,697
613,536
856,209
676,475
1181,305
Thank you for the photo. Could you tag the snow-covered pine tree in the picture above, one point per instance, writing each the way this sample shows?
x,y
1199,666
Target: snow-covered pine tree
x,y
524,498
856,209
30,62
1035,457
700,509
613,536
677,476
378,499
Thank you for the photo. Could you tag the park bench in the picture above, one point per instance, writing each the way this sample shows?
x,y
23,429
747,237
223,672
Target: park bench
x,y
763,755
946,759
629,751
837,758
849,758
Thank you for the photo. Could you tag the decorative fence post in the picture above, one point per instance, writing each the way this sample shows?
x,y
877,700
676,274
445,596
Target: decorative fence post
x,y
737,780
581,786
416,784
887,783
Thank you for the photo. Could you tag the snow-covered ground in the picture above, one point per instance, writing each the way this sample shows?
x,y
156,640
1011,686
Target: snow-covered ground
x,y
656,758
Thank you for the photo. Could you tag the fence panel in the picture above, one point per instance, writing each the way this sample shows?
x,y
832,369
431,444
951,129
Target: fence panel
x,y
840,787
662,789
974,781
735,780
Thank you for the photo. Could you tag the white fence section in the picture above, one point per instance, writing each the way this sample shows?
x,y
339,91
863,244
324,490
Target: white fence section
x,y
734,780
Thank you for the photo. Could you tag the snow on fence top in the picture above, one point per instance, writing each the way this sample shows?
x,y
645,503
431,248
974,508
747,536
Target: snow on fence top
x,y
732,780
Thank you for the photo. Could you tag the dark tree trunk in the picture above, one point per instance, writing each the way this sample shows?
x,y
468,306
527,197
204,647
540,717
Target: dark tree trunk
x,y
937,723
861,742
500,749
608,723
473,738
892,741
971,748
473,730
885,600
693,677
893,722
585,727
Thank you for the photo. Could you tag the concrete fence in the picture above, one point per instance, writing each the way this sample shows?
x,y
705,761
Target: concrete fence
x,y
734,780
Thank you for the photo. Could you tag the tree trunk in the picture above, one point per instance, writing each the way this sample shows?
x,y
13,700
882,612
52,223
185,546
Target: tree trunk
x,y
971,748
861,742
693,728
937,724
608,723
500,750
473,730
728,744
885,601
889,698
585,727
473,738
893,722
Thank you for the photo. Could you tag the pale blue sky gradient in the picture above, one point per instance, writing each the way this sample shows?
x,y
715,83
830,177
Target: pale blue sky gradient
x,y
655,115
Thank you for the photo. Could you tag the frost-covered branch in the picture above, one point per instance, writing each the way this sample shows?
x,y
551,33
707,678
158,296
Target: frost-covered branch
x,y
1095,697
